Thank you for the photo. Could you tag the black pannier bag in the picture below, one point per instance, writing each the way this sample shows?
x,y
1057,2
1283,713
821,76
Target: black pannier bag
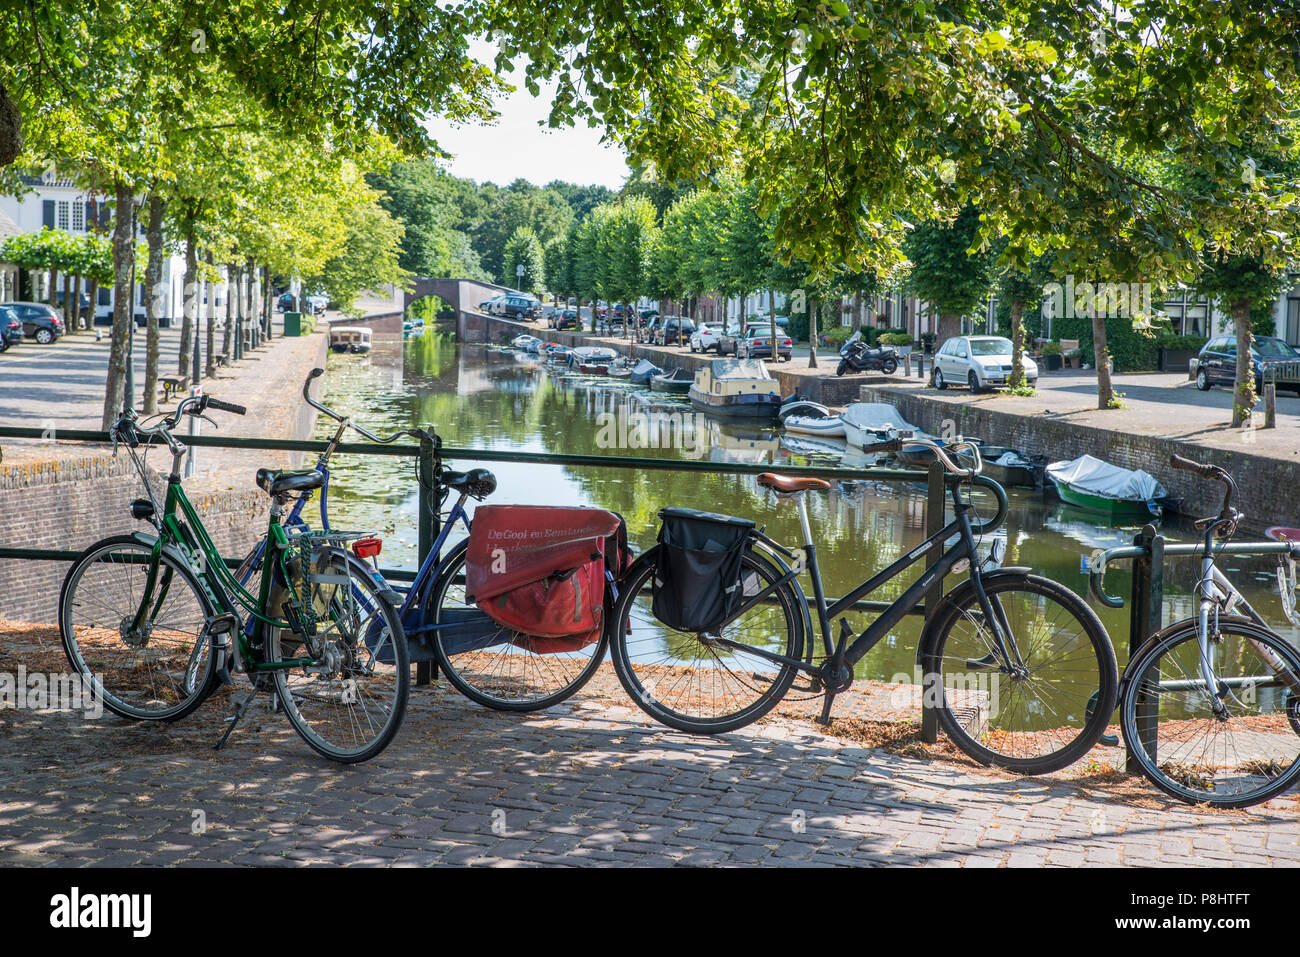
x,y
697,572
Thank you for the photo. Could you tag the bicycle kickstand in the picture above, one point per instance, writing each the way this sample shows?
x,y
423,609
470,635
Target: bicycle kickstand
x,y
241,709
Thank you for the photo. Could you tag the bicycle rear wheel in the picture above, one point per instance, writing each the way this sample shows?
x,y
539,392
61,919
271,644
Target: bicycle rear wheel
x,y
1036,716
346,694
495,666
160,672
1247,753
692,682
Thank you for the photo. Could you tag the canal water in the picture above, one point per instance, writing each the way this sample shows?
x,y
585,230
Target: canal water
x,y
488,397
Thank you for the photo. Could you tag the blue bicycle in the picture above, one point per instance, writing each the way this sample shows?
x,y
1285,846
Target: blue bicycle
x,y
484,660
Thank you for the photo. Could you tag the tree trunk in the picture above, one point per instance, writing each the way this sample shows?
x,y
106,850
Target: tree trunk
x,y
53,292
123,254
75,323
1017,380
210,365
92,293
250,312
1244,396
1101,361
152,282
68,308
232,294
191,301
771,315
266,302
857,311
812,332
949,326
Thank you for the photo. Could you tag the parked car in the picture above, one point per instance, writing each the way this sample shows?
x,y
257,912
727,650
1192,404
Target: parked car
x,y
40,320
673,330
568,319
316,304
978,362
285,302
729,339
705,336
757,342
487,304
11,329
1270,357
523,308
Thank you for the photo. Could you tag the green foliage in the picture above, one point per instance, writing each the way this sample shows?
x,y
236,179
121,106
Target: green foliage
x,y
368,258
524,249
895,338
945,273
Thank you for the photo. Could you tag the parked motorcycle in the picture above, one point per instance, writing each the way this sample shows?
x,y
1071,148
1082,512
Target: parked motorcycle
x,y
857,356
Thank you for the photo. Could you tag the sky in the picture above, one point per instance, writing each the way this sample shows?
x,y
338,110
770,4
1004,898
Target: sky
x,y
518,145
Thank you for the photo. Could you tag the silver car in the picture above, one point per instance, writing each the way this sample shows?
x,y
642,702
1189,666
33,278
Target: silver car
x,y
978,362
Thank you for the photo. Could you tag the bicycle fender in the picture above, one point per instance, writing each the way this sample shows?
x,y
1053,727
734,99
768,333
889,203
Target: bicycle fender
x,y
953,594
779,561
170,549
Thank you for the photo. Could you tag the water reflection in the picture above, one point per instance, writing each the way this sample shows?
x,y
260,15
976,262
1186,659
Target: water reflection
x,y
486,397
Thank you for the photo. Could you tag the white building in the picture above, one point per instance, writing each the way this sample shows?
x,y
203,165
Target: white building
x,y
56,202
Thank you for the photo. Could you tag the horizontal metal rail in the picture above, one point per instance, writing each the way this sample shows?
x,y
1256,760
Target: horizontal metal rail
x,y
1098,564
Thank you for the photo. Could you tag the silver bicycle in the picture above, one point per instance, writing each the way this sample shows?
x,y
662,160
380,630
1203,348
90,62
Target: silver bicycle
x,y
1210,706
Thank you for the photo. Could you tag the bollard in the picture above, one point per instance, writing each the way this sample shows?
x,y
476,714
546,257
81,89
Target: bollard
x,y
907,366
1270,405
920,366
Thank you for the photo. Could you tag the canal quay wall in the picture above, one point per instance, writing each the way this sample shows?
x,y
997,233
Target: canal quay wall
x,y
75,494
1266,485
820,385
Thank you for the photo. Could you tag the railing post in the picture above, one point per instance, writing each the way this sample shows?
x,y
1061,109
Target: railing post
x,y
934,521
424,509
1146,617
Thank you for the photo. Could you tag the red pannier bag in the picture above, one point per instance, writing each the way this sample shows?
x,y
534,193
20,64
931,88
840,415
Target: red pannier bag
x,y
539,570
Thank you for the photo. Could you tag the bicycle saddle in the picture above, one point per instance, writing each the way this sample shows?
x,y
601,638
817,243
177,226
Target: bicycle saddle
x,y
477,483
786,484
282,481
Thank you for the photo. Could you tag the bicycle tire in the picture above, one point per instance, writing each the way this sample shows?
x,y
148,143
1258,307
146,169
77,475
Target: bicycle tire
x,y
961,605
509,679
1191,783
383,628
641,676
140,668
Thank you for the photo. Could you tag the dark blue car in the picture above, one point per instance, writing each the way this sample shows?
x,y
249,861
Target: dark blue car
x,y
11,329
1271,358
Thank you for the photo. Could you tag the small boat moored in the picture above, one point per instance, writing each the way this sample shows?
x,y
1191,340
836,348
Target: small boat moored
x,y
525,343
678,382
643,371
592,356
350,339
1118,493
736,388
1013,469
819,425
866,423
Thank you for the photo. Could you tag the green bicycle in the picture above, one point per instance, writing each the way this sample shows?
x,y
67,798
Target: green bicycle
x,y
156,623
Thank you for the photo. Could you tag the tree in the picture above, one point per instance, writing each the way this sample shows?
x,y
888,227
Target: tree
x,y
945,272
524,249
1018,288
1237,283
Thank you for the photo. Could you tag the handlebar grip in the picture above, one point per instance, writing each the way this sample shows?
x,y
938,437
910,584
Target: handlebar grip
x,y
1204,470
889,445
225,406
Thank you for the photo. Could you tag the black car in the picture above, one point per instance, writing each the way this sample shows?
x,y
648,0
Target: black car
x,y
40,320
1271,358
516,307
11,330
568,319
673,330
285,302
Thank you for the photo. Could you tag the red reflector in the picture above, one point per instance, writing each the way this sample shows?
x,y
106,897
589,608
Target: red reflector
x,y
367,547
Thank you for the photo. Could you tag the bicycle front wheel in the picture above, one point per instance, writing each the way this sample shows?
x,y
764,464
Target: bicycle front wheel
x,y
495,666
344,688
694,682
1231,749
159,671
1032,708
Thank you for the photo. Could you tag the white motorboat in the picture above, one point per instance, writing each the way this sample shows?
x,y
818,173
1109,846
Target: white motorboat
x,y
867,423
822,426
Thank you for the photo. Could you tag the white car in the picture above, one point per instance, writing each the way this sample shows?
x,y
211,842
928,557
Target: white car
x,y
978,362
705,336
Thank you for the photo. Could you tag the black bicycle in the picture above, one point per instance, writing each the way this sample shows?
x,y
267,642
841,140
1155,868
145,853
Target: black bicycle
x,y
1021,670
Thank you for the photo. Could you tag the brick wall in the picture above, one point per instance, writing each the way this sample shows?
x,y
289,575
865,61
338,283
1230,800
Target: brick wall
x,y
71,502
1266,485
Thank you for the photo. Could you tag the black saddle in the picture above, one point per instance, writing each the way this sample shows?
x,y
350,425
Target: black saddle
x,y
477,483
284,481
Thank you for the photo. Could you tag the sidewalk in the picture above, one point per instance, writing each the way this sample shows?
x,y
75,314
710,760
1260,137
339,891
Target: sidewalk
x,y
590,782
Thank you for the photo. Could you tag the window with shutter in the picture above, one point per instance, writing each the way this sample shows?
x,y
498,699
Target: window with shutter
x,y
47,213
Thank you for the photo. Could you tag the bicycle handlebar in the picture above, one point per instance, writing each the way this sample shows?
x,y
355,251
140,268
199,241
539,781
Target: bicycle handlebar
x,y
1207,471
940,453
306,394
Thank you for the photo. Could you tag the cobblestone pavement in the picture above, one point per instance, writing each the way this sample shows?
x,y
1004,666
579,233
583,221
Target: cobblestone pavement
x,y
593,782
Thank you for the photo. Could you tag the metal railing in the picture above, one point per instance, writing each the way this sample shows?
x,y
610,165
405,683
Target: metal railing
x,y
934,478
1147,590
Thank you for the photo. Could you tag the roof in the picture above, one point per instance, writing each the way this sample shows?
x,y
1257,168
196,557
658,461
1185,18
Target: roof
x,y
738,369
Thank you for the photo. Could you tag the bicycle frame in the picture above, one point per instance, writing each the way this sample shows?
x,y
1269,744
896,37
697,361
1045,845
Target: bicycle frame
x,y
963,549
